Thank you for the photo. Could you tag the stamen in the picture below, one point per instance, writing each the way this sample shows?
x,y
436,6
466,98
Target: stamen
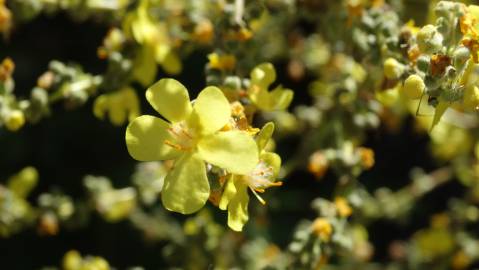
x,y
174,145
258,197
186,134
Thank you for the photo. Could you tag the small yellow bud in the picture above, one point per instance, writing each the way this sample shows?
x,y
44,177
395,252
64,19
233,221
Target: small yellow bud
x,y
393,69
15,120
367,157
204,32
322,228
318,164
414,87
342,205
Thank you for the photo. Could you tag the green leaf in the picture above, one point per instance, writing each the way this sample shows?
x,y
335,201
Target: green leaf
x,y
145,138
186,187
211,110
170,98
234,151
238,207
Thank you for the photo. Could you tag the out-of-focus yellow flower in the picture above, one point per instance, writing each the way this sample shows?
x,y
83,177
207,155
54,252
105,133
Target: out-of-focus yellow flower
x,y
224,62
355,10
120,106
468,22
322,228
5,18
448,141
343,207
433,242
460,260
242,35
14,120
158,46
318,164
367,157
6,68
204,32
73,260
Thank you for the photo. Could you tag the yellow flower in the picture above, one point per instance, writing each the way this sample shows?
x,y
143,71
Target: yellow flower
x,y
5,18
460,260
192,136
6,68
318,164
204,32
14,120
156,41
224,62
468,22
342,205
120,105
367,157
322,228
262,76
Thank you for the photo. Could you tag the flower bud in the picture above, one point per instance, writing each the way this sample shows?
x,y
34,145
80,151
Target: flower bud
x,y
414,87
460,56
322,228
232,82
429,39
393,69
423,63
14,120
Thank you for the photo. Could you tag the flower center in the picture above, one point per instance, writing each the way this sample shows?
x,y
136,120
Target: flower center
x,y
183,138
260,179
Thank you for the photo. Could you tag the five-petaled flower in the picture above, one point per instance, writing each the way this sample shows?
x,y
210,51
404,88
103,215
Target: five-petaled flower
x,y
191,136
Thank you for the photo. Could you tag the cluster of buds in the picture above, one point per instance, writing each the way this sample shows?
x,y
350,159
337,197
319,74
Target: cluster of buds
x,y
442,60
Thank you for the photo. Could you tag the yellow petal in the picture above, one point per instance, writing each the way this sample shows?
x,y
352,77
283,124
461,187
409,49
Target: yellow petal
x,y
263,74
228,193
264,135
145,68
100,106
238,207
281,98
186,187
145,138
234,151
170,98
211,110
